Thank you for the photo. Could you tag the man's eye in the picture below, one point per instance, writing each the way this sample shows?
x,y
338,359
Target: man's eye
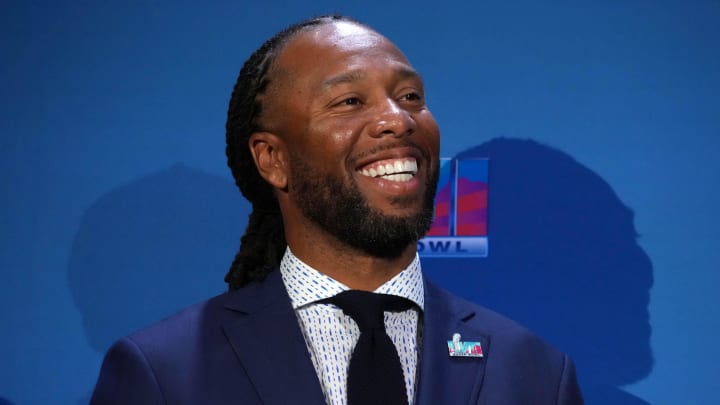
x,y
412,97
350,101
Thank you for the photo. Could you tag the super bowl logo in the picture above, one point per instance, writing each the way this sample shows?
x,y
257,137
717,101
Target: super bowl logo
x,y
460,225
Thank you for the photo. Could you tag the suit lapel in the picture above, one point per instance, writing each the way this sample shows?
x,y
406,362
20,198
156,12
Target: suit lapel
x,y
265,334
444,379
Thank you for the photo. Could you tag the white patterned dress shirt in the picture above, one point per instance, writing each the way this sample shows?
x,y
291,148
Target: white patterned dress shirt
x,y
331,335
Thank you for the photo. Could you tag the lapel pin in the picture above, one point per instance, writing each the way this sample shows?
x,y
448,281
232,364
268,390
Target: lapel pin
x,y
458,348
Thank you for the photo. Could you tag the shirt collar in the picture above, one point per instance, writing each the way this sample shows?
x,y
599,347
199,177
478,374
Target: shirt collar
x,y
306,285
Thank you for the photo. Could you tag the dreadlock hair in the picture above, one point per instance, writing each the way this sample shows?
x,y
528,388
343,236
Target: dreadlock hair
x,y
263,244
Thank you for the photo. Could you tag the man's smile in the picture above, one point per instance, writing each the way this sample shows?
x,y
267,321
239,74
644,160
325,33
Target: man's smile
x,y
400,170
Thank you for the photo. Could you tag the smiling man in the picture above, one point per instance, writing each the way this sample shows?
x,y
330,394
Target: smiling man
x,y
330,139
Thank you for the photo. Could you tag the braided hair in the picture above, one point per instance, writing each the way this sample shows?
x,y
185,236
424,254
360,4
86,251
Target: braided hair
x,y
263,244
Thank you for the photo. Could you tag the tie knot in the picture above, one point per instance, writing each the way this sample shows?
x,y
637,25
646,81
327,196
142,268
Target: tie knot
x,y
367,309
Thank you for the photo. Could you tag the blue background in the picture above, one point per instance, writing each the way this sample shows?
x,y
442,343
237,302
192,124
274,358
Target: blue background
x,y
117,208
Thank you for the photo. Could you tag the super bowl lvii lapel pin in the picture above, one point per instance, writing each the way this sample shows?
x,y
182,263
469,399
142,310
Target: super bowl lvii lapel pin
x,y
458,348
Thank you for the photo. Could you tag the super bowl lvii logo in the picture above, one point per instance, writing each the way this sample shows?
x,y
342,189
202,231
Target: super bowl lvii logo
x,y
460,225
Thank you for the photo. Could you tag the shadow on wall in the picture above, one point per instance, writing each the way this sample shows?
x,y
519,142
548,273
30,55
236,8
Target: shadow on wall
x,y
147,249
4,401
564,261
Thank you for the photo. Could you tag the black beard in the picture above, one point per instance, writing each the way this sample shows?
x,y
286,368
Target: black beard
x,y
340,209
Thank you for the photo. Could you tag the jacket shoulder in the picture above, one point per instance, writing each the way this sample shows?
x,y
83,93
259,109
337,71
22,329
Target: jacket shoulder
x,y
183,359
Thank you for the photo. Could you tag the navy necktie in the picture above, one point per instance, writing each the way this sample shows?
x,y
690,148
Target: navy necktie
x,y
375,375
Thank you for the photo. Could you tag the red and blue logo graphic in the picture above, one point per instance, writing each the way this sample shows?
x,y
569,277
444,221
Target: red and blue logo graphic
x,y
460,225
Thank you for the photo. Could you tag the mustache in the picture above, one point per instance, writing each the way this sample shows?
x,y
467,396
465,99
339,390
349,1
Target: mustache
x,y
388,146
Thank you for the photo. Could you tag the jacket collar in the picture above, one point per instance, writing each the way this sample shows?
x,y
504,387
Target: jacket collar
x,y
444,379
266,337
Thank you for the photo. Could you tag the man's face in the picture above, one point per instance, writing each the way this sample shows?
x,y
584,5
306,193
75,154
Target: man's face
x,y
363,146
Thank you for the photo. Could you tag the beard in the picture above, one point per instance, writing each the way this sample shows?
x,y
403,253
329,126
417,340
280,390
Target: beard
x,y
339,208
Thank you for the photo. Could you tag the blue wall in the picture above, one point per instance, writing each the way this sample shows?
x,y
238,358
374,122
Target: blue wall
x,y
601,119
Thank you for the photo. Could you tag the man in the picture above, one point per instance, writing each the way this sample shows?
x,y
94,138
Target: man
x,y
329,137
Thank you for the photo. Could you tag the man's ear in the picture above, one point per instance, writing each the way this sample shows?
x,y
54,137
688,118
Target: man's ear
x,y
270,155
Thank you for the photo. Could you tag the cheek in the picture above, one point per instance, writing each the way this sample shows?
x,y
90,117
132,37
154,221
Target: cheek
x,y
341,136
333,140
428,131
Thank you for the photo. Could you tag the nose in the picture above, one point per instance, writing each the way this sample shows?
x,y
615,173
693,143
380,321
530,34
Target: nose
x,y
393,120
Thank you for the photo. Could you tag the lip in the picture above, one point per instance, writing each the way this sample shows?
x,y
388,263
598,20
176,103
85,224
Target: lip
x,y
396,188
394,153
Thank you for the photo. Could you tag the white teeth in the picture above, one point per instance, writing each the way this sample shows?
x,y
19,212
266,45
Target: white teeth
x,y
396,171
399,177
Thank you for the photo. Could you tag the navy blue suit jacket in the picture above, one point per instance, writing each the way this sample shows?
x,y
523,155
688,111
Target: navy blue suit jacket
x,y
246,347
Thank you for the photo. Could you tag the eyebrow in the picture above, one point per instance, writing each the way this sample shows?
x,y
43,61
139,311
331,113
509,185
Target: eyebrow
x,y
355,75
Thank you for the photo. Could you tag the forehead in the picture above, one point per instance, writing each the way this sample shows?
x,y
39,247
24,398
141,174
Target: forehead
x,y
336,47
